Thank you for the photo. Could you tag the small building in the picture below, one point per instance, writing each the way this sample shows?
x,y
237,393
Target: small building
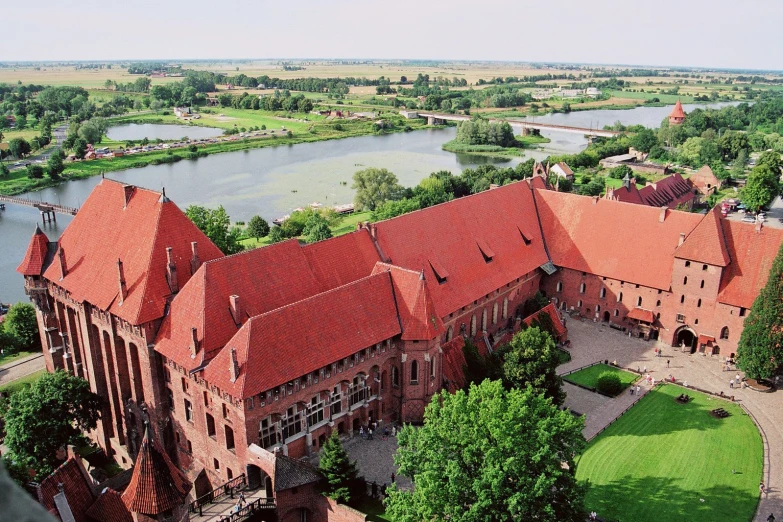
x,y
562,170
705,180
593,92
674,192
409,115
677,116
183,112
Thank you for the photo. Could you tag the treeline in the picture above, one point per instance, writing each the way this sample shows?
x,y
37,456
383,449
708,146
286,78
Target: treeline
x,y
276,102
480,131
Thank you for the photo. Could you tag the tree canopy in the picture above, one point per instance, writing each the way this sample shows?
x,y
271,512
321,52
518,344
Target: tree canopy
x,y
760,348
375,186
762,187
51,413
531,360
217,226
22,324
257,227
342,478
512,458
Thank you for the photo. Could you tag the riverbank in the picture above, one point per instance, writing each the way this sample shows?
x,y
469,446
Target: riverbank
x,y
525,142
17,181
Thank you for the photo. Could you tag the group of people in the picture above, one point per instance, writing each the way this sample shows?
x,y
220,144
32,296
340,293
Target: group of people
x,y
372,429
738,382
240,503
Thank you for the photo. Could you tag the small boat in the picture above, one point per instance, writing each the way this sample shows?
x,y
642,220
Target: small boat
x,y
281,220
315,205
348,208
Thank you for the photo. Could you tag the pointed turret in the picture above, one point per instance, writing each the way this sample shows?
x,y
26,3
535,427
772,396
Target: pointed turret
x,y
35,257
157,486
677,115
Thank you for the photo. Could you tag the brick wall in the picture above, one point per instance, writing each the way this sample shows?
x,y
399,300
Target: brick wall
x,y
292,502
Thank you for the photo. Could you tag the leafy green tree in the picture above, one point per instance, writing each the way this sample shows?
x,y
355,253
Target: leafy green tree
x,y
19,147
738,165
93,130
375,186
55,165
79,148
762,187
771,159
316,228
277,235
22,324
432,191
35,172
512,458
620,172
392,208
342,478
532,361
644,140
32,438
217,226
760,349
257,227
609,383
4,172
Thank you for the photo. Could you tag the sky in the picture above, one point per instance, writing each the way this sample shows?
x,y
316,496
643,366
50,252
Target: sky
x,y
699,33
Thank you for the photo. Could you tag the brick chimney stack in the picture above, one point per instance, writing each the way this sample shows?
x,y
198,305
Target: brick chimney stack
x,y
193,342
128,189
171,271
236,308
662,216
123,286
234,365
195,262
61,257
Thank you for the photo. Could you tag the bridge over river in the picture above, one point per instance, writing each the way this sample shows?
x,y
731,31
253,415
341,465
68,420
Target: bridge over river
x,y
435,118
48,210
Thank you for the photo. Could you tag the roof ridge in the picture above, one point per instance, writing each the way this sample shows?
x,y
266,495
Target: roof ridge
x,y
148,272
124,184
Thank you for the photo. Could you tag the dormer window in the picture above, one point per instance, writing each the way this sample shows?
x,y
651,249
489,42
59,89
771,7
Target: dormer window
x,y
441,274
525,237
486,252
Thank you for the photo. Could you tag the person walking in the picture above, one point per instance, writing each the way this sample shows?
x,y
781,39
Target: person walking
x,y
731,383
667,363
738,379
393,477
762,488
771,518
638,389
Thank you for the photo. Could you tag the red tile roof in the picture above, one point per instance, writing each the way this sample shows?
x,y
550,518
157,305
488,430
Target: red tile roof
x,y
34,258
77,487
612,239
109,507
566,169
444,238
157,485
342,259
551,311
704,177
419,319
668,192
108,227
642,314
752,254
706,243
287,343
677,111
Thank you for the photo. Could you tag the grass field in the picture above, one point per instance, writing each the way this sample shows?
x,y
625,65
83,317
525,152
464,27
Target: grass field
x,y
665,461
589,376
8,359
18,384
348,224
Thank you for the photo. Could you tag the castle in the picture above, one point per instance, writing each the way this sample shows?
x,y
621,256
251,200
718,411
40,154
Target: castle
x,y
275,348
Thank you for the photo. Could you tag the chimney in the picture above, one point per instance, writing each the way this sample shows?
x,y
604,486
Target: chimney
x,y
123,286
759,225
195,262
359,225
493,186
662,215
236,308
193,342
128,190
171,272
372,228
682,238
61,256
595,199
234,366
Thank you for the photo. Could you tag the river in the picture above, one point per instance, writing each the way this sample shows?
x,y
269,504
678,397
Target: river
x,y
272,181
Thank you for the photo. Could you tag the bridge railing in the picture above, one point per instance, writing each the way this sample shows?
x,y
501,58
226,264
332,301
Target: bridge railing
x,y
229,488
248,510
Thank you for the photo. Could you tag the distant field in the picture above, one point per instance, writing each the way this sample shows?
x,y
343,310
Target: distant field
x,y
87,78
665,98
227,118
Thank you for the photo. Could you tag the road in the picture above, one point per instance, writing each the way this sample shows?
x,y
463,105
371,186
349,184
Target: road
x,y
21,367
58,136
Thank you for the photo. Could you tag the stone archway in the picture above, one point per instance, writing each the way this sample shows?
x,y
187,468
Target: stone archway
x,y
685,338
607,315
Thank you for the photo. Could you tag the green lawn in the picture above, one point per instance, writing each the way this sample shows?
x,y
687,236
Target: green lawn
x,y
18,384
373,509
665,461
348,224
8,359
589,376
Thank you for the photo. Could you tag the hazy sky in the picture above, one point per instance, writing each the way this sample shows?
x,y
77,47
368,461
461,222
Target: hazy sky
x,y
710,33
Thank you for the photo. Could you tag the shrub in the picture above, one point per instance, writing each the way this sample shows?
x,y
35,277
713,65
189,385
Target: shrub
x,y
609,383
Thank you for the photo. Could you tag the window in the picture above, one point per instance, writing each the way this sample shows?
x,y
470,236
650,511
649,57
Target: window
x,y
494,313
658,303
450,334
680,318
698,303
395,374
171,398
229,473
432,367
414,372
206,398
357,391
724,332
189,446
229,437
216,464
639,301
616,312
167,374
210,425
225,411
704,267
336,401
582,288
702,284
559,286
473,325
484,320
685,280
268,433
291,423
602,293
687,264
696,321
250,403
184,385
620,297
188,411
505,308
303,515
597,308
682,299
579,304
742,312
315,411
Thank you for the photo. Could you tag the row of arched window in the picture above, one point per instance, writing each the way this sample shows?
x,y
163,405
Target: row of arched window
x,y
484,319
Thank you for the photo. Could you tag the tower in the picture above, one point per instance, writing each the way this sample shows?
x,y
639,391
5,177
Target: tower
x,y
677,116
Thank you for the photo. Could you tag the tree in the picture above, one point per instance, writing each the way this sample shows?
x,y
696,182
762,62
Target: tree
x,y
771,159
79,148
609,383
760,348
35,172
761,189
257,227
93,130
18,147
532,361
512,458
738,165
276,235
22,324
217,226
374,186
4,172
644,140
316,228
342,478
55,165
390,209
70,408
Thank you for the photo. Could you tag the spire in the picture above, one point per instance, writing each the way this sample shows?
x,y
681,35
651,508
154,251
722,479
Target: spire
x,y
156,485
627,181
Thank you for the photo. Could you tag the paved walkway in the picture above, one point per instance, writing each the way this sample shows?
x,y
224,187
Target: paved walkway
x,y
591,342
21,367
213,512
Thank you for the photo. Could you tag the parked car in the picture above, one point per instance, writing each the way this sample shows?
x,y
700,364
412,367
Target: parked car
x,y
748,219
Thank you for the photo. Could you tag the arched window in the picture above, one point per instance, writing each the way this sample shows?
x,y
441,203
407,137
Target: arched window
x,y
579,304
602,294
639,301
616,312
505,308
395,374
657,303
484,320
685,280
563,305
559,286
724,332
432,367
620,298
414,372
582,288
450,333
597,308
473,325
494,313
